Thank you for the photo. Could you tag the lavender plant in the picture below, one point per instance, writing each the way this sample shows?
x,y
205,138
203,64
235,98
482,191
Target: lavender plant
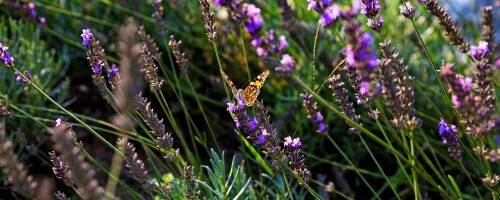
x,y
393,125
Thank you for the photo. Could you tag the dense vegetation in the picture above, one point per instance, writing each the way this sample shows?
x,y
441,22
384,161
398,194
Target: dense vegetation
x,y
249,99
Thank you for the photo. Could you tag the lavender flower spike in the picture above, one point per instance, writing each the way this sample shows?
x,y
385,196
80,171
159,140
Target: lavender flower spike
x,y
6,58
370,8
296,158
313,113
330,16
449,134
407,10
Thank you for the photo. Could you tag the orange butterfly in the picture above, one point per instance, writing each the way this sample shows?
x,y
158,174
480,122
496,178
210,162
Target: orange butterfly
x,y
251,91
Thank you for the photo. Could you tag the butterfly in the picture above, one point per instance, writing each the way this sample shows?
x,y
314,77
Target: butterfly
x,y
251,91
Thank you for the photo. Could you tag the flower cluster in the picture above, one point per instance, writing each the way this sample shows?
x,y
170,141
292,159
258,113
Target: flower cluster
x,y
135,165
370,9
96,57
241,118
267,45
27,10
480,51
150,69
476,113
6,58
363,60
296,158
339,91
61,169
449,134
407,10
397,91
180,57
209,20
313,113
330,12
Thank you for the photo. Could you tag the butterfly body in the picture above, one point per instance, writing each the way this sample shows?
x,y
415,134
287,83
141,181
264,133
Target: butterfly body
x,y
251,91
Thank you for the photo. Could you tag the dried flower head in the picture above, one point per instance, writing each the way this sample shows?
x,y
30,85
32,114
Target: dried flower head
x,y
209,20
339,91
150,69
180,57
491,180
64,143
135,165
5,111
450,28
16,174
397,91
61,169
487,30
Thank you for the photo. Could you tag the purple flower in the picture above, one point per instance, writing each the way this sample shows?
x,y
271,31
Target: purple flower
x,y
113,72
6,58
449,135
282,43
480,51
222,2
370,8
407,10
317,5
60,121
19,78
262,137
87,37
97,68
287,64
253,22
330,16
31,7
376,23
253,124
292,143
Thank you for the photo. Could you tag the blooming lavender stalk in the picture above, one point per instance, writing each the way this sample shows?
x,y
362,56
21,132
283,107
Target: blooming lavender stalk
x,y
268,138
398,91
477,116
483,74
296,158
313,113
61,169
64,140
241,119
450,28
449,134
16,174
341,95
6,58
362,59
95,56
209,20
180,57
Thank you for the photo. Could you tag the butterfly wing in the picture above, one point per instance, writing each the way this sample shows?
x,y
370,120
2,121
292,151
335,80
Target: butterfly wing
x,y
252,90
230,83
